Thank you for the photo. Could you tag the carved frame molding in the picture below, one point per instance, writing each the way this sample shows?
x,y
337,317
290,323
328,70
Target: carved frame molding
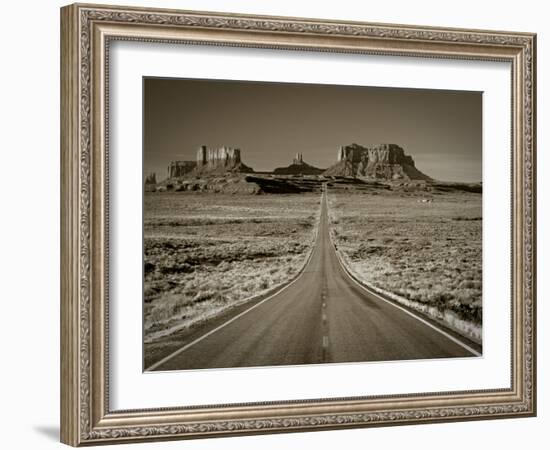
x,y
86,32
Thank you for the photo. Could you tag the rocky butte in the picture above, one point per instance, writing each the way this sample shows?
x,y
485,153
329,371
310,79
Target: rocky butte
x,y
220,160
384,162
298,167
151,182
180,168
151,178
210,160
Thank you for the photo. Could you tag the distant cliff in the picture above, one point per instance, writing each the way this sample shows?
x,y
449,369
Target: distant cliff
x,y
384,162
180,168
210,160
298,167
151,182
379,162
220,160
151,178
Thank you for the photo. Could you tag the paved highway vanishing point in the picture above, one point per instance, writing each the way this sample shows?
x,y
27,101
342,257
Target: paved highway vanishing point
x,y
323,316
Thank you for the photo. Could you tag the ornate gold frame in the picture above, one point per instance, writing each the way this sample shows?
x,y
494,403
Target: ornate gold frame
x,y
86,31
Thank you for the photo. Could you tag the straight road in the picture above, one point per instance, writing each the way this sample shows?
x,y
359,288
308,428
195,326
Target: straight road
x,y
323,316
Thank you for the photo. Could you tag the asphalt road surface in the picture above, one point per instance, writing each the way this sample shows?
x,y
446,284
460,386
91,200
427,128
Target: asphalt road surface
x,y
323,316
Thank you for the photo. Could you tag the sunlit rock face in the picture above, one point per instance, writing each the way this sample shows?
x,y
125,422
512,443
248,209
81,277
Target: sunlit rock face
x,y
223,159
383,161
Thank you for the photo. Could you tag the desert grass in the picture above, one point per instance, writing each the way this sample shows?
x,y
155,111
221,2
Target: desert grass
x,y
422,248
204,253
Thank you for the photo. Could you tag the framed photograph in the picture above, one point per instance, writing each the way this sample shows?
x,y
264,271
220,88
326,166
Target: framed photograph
x,y
275,224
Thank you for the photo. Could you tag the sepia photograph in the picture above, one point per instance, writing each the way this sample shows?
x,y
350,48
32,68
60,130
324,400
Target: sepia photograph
x,y
276,224
288,224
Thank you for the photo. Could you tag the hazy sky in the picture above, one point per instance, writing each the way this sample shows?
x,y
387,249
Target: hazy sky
x,y
271,122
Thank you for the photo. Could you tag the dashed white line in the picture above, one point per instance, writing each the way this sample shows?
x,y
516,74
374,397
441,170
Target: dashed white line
x,y
425,322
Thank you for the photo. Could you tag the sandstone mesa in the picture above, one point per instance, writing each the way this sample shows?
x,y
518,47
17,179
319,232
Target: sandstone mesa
x,y
380,162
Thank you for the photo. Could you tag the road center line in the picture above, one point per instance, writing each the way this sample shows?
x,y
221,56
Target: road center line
x,y
246,311
374,294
